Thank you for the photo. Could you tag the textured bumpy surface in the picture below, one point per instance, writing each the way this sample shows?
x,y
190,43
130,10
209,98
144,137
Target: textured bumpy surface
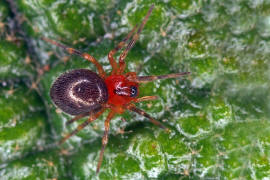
x,y
218,116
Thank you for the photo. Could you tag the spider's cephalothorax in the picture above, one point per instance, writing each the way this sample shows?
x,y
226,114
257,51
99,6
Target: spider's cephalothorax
x,y
82,92
121,91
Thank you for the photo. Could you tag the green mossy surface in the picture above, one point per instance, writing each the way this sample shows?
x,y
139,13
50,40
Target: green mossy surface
x,y
218,116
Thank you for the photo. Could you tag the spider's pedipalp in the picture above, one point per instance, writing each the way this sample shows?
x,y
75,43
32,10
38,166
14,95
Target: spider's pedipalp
x,y
145,98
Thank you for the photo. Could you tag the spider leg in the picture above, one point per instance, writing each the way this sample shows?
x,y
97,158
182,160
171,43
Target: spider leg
x,y
145,98
143,113
117,48
77,117
135,37
105,138
81,126
86,56
145,79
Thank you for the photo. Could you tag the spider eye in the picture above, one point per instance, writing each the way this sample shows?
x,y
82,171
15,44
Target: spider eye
x,y
134,91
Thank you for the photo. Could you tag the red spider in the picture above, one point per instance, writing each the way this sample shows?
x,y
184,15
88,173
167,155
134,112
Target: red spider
x,y
82,92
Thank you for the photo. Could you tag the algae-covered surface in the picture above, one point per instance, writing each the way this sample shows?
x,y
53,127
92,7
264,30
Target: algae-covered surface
x,y
218,116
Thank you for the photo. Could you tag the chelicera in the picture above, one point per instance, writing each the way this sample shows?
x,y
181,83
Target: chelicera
x,y
82,92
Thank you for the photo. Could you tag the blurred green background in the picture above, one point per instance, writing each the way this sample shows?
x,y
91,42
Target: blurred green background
x,y
218,116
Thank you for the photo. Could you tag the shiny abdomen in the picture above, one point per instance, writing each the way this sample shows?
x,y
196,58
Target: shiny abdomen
x,y
79,91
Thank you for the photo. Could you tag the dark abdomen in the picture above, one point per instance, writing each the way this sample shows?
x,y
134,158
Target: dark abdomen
x,y
79,91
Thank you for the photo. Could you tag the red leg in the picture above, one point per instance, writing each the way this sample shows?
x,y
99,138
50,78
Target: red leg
x,y
105,138
135,37
131,75
77,117
145,98
86,56
81,126
145,79
141,112
117,48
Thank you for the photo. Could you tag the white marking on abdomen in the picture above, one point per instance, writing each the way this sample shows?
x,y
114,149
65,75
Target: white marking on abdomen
x,y
75,98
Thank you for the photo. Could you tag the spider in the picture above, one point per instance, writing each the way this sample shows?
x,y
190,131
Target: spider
x,y
82,92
